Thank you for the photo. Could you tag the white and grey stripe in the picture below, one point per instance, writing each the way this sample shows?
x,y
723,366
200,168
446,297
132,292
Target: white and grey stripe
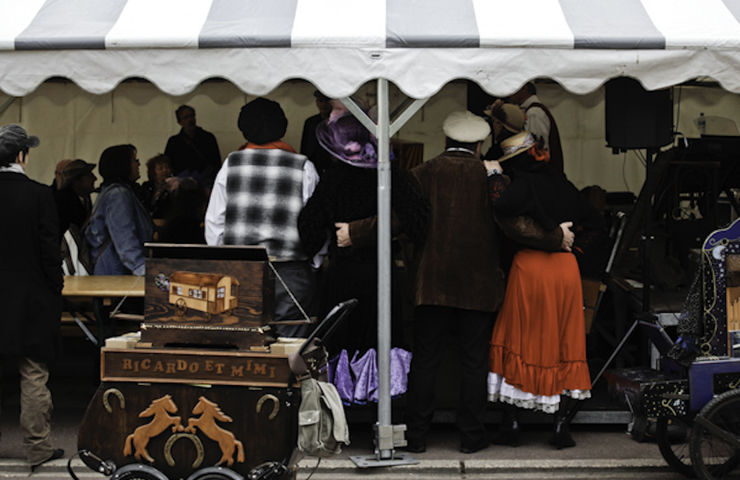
x,y
70,24
577,24
339,45
248,23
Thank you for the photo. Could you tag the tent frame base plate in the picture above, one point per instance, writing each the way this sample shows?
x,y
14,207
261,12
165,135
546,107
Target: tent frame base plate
x,y
371,461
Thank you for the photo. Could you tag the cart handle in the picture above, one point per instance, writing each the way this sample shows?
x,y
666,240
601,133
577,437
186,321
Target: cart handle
x,y
299,368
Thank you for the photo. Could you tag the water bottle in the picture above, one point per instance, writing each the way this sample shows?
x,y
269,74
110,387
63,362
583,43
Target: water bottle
x,y
701,124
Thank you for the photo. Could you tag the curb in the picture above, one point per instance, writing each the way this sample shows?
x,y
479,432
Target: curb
x,y
493,466
442,467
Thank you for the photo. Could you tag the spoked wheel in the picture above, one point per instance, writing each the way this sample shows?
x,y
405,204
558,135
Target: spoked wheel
x,y
673,435
137,471
715,437
180,307
215,473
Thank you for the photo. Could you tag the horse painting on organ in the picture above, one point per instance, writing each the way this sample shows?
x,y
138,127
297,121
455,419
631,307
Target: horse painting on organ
x,y
160,410
210,412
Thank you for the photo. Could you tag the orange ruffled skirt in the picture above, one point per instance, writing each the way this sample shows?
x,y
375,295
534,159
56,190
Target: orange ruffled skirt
x,y
538,346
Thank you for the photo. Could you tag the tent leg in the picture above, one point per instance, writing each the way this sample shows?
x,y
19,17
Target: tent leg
x,y
6,104
386,435
384,274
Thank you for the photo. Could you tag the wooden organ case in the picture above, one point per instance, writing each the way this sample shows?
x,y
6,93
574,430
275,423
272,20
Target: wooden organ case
x,y
201,388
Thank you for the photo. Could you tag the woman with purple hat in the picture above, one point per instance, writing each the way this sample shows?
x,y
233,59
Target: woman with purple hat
x,y
342,210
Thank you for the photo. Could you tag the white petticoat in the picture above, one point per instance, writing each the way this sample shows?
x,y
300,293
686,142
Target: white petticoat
x,y
500,391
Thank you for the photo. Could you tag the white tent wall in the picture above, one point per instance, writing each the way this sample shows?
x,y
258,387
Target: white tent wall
x,y
73,123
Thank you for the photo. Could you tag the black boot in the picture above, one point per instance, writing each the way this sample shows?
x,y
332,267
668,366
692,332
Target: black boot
x,y
508,432
561,437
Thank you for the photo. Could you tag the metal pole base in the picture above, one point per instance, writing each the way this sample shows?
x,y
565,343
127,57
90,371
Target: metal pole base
x,y
371,461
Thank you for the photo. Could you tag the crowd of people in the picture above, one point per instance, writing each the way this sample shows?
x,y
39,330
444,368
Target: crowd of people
x,y
492,235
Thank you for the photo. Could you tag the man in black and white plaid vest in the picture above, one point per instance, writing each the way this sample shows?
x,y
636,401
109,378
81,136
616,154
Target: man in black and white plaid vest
x,y
256,199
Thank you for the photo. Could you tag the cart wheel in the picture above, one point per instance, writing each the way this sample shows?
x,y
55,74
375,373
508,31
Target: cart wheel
x,y
713,456
180,307
215,473
137,471
673,434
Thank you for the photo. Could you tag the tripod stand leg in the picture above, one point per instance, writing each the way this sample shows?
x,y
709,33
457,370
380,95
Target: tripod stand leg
x,y
572,413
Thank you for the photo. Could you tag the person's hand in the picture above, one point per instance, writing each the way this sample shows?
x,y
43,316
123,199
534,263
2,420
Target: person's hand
x,y
343,239
171,183
491,164
568,236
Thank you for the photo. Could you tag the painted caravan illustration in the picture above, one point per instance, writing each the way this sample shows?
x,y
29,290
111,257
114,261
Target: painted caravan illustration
x,y
211,293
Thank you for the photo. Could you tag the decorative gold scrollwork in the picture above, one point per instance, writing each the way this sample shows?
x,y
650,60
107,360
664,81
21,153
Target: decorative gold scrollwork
x,y
735,384
275,406
118,394
666,402
199,452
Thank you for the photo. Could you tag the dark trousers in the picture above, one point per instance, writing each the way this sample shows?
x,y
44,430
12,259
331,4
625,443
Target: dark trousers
x,y
301,280
36,408
434,327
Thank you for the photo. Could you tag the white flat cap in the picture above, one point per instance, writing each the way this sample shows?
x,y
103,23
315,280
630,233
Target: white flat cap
x,y
465,127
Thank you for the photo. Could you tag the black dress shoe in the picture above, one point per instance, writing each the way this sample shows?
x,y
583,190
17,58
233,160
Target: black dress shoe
x,y
56,454
474,446
561,437
415,446
508,432
508,435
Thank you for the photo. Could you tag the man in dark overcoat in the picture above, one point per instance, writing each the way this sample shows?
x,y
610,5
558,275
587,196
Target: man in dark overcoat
x,y
30,288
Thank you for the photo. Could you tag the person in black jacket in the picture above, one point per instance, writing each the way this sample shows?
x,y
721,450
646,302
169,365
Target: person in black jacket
x,y
30,288
310,147
73,195
193,151
342,211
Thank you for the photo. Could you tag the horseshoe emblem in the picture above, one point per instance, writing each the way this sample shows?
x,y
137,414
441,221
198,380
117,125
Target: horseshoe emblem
x,y
275,407
118,394
198,448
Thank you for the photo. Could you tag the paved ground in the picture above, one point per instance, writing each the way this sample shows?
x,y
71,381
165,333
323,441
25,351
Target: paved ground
x,y
603,451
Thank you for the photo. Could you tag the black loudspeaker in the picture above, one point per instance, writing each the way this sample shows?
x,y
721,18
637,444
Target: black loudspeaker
x,y
635,117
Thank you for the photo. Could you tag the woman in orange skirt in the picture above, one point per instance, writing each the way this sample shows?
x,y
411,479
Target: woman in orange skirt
x,y
537,357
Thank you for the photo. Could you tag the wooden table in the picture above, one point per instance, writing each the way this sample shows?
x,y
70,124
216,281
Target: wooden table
x,y
99,291
104,286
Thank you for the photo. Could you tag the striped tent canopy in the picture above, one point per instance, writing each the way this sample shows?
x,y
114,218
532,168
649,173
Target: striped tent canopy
x,y
338,45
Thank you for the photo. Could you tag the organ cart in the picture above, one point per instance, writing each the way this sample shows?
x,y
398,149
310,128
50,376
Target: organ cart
x,y
698,408
202,395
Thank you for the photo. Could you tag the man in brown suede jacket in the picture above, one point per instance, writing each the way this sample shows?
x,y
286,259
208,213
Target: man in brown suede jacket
x,y
459,281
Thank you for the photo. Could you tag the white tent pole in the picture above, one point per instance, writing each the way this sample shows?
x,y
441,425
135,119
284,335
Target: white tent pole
x,y
6,104
360,115
406,115
384,261
386,435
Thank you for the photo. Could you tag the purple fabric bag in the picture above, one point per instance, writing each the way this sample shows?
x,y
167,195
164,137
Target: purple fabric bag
x,y
365,370
400,366
341,378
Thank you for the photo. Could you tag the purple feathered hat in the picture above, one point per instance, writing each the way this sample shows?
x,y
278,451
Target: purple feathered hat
x,y
347,139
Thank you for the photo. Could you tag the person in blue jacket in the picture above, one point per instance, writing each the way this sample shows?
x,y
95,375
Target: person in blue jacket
x,y
119,224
